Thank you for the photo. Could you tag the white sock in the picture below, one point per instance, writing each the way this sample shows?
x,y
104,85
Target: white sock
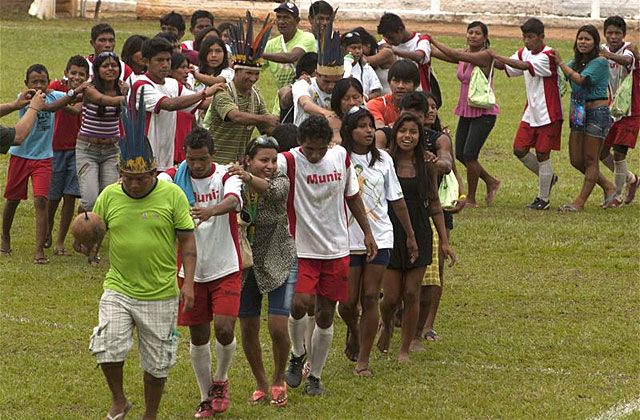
x,y
201,362
297,328
620,175
308,333
530,162
224,355
608,162
321,339
545,177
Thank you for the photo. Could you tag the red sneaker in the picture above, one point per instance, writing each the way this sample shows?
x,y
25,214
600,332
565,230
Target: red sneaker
x,y
204,410
219,394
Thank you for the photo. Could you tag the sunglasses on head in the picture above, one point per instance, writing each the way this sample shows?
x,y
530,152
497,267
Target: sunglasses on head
x,y
355,109
108,54
262,141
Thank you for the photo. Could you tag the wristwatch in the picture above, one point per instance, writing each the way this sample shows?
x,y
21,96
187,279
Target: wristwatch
x,y
71,93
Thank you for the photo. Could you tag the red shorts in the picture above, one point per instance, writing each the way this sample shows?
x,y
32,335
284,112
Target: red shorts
x,y
220,297
327,278
544,138
624,133
20,170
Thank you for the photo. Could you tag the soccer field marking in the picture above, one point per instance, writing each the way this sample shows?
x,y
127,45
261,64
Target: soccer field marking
x,y
620,410
467,365
49,324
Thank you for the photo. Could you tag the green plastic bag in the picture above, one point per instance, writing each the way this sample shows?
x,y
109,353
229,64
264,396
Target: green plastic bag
x,y
480,92
622,100
448,191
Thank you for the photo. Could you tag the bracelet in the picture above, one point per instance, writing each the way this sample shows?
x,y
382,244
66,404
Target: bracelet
x,y
462,197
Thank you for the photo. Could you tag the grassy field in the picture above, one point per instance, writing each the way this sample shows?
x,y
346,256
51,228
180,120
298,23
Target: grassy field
x,y
539,319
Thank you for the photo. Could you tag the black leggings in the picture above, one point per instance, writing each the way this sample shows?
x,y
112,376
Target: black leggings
x,y
471,135
620,148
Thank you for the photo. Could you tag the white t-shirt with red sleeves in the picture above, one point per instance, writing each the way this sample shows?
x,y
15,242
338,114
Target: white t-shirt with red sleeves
x,y
418,42
316,206
161,124
618,72
542,86
378,185
217,238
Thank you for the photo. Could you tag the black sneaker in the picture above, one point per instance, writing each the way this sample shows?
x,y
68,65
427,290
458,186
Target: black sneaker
x,y
293,375
539,204
313,386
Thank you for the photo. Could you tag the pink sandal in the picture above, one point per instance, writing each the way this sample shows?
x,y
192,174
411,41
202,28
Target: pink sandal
x,y
257,397
279,395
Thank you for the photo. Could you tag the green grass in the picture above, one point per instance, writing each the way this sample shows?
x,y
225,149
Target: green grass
x,y
539,318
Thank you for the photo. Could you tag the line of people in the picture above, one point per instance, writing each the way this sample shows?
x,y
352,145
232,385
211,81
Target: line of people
x,y
147,146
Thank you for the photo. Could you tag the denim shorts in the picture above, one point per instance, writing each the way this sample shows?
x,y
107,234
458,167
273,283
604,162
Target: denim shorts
x,y
279,299
597,122
382,258
64,180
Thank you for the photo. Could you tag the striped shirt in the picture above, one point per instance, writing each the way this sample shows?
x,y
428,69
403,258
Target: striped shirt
x,y
231,138
103,127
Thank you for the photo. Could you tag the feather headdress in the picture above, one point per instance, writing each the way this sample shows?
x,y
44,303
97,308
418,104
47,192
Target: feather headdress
x,y
246,51
330,57
136,154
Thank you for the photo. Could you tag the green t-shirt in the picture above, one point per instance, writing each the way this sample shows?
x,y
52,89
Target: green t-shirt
x,y
142,246
283,73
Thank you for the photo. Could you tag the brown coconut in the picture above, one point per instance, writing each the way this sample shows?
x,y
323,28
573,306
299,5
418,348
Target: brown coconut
x,y
88,229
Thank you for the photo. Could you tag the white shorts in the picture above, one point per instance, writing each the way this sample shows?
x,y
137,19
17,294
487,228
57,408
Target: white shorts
x,y
156,322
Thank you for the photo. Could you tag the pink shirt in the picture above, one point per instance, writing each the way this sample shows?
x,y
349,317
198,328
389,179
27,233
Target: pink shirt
x,y
464,109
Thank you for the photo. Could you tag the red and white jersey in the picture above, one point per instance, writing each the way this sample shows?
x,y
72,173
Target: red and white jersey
x,y
187,45
422,43
316,205
124,75
618,72
217,238
161,124
541,83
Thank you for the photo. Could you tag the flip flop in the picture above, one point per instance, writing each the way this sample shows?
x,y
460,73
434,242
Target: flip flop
x,y
257,397
61,252
279,395
120,416
431,335
568,208
363,373
41,260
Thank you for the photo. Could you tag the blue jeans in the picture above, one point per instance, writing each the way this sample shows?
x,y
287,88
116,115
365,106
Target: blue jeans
x,y
97,167
279,299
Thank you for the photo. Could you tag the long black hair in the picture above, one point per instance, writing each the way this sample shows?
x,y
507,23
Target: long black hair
x,y
340,89
483,28
581,60
367,39
98,83
422,172
204,51
349,123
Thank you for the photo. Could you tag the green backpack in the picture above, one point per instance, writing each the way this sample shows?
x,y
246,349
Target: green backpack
x,y
448,191
622,99
480,92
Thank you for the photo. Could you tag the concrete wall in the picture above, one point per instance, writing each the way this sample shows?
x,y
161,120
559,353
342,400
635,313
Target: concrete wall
x,y
569,13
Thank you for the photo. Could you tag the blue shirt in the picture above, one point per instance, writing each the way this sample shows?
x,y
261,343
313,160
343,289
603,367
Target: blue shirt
x,y
39,143
597,70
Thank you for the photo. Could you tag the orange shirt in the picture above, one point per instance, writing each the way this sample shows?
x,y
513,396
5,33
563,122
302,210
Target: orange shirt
x,y
383,110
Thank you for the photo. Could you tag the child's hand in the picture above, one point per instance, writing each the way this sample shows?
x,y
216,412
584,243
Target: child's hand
x,y
124,87
37,102
25,96
82,87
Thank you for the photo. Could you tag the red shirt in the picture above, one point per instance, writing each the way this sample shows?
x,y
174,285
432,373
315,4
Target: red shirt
x,y
66,125
184,124
383,110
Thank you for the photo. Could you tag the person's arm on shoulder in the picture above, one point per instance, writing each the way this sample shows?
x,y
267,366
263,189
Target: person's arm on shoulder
x,y
24,125
624,59
513,66
208,79
480,59
260,185
186,101
65,100
573,75
384,58
443,151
